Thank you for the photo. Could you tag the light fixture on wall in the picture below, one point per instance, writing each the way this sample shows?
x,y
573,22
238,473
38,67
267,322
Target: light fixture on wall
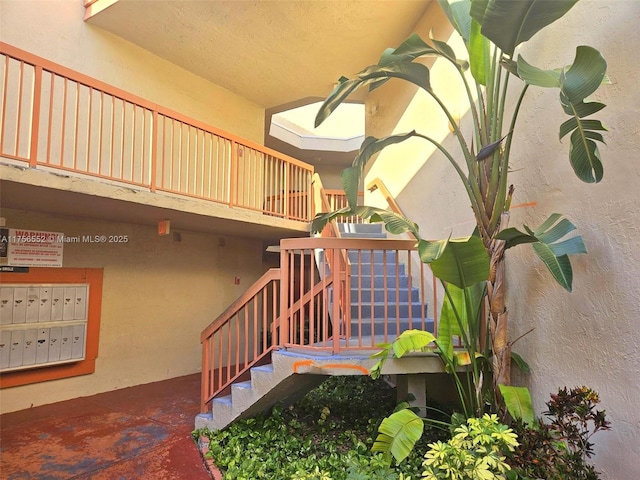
x,y
164,227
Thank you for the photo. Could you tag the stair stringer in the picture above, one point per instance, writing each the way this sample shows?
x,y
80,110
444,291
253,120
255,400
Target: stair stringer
x,y
292,374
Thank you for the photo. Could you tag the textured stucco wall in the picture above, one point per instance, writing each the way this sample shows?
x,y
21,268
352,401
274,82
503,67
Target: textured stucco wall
x,y
591,336
158,294
54,29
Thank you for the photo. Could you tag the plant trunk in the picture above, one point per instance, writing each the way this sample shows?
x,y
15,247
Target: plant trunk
x,y
498,315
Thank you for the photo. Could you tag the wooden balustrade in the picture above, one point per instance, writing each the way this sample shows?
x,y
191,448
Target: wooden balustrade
x,y
241,337
54,117
332,305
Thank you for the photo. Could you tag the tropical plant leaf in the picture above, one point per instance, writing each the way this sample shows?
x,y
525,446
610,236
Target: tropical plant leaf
x,y
411,341
507,23
370,146
462,262
518,402
585,74
447,52
344,88
520,363
479,56
459,316
513,236
544,240
560,267
585,157
581,79
430,250
457,11
398,433
536,76
581,109
584,125
394,223
412,48
415,73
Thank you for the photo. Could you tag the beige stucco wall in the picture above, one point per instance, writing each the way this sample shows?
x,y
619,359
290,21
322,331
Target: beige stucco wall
x,y
54,29
591,336
158,294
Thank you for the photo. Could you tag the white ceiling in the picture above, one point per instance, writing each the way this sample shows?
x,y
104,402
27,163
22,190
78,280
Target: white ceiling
x,y
271,52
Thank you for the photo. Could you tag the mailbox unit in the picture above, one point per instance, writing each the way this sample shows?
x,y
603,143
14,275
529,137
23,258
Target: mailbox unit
x,y
42,325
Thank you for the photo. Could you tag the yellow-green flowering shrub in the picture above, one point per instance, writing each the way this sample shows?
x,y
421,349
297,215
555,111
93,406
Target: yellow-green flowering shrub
x,y
475,452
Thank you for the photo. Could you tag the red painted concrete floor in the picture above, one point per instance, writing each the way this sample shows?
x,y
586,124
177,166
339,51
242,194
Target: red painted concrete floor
x,y
134,433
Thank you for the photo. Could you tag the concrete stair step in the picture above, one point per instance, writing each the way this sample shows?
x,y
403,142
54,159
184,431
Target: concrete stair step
x,y
365,269
379,295
373,228
393,310
379,256
393,328
379,281
363,235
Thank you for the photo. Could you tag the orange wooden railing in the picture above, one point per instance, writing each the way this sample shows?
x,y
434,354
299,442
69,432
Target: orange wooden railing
x,y
242,337
311,282
337,199
57,118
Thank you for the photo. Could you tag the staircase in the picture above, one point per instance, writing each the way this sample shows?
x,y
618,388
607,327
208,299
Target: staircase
x,y
381,289
384,299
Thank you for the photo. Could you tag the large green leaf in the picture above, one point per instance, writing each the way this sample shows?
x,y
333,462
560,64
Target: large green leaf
x,y
447,52
518,402
459,316
583,77
370,146
479,56
512,236
536,76
412,48
411,341
560,267
415,73
508,23
462,262
457,12
546,244
398,433
407,341
585,156
394,223
520,363
585,74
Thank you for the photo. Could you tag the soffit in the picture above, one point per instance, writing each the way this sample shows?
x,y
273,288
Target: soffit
x,y
270,52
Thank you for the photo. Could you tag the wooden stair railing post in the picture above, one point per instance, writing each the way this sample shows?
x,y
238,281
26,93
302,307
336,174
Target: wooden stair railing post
x,y
284,298
35,116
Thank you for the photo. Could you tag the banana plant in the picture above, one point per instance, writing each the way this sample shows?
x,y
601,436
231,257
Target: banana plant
x,y
491,30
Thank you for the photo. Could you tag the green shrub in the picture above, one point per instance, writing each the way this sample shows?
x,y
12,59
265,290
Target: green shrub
x,y
476,451
327,435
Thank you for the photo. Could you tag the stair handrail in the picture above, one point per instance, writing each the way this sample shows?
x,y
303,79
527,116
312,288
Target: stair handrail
x,y
321,205
258,285
378,184
208,390
332,230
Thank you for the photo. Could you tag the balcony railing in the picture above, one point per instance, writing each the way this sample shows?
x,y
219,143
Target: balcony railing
x,y
54,117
